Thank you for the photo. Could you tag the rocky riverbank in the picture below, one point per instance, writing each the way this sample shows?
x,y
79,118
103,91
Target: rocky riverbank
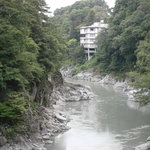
x,y
89,75
145,146
41,132
69,92
49,122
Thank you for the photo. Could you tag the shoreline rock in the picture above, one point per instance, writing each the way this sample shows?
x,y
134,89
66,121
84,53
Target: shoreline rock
x,y
145,146
45,129
71,93
89,75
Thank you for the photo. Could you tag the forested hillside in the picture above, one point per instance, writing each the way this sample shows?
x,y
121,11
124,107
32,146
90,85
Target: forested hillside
x,y
71,18
125,46
30,50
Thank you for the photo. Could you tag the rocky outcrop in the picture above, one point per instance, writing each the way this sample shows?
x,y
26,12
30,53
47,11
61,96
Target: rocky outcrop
x,y
67,71
145,146
71,92
89,75
43,120
40,133
3,140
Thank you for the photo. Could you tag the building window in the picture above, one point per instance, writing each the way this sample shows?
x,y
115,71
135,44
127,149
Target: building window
x,y
92,35
92,29
82,35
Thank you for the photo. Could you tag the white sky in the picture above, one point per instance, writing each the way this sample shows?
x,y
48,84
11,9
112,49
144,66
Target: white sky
x,y
54,4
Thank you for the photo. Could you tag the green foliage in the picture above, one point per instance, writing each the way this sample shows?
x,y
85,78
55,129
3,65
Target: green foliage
x,y
140,80
143,55
30,49
74,53
120,48
85,66
12,109
71,18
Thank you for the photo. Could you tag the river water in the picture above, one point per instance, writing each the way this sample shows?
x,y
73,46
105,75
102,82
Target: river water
x,y
108,122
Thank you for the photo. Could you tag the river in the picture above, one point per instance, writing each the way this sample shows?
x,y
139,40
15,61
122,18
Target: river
x,y
108,122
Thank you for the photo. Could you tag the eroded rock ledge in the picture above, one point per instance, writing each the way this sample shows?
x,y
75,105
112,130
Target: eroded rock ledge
x,y
49,121
71,92
145,146
41,132
89,75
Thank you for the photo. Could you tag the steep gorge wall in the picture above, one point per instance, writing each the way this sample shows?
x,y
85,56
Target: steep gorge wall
x,y
40,122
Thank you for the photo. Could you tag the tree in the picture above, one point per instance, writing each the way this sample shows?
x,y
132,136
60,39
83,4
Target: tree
x,y
128,26
30,48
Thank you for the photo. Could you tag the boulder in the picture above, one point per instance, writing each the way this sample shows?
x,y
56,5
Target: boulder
x,y
60,117
3,140
148,139
145,146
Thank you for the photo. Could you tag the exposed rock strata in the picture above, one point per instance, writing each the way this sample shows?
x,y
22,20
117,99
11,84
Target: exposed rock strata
x,y
41,134
71,92
89,75
49,121
145,146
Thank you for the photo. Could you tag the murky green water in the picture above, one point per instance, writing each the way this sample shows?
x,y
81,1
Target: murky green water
x,y
108,122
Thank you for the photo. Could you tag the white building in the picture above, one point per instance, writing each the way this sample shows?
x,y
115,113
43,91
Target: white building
x,y
88,35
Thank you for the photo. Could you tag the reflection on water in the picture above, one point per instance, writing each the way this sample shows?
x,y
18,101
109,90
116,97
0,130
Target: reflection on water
x,y
79,140
108,122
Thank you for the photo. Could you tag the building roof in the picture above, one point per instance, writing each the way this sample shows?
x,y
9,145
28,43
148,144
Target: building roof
x,y
96,25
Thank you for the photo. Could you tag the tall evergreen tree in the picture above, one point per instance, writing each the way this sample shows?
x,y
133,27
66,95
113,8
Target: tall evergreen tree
x,y
29,50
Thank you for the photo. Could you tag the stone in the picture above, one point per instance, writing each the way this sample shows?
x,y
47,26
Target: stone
x,y
145,146
48,142
3,140
71,92
35,148
148,139
46,137
60,117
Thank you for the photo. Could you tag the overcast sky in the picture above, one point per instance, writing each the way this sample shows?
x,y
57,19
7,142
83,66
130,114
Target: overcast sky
x,y
54,4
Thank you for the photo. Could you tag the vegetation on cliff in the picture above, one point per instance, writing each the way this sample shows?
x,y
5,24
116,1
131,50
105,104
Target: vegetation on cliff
x,y
30,49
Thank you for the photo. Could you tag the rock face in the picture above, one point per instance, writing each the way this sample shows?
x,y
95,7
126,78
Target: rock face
x,y
3,140
145,146
89,75
47,121
44,130
71,92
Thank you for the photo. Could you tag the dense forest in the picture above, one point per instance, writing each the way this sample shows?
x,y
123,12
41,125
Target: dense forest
x,y
30,50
